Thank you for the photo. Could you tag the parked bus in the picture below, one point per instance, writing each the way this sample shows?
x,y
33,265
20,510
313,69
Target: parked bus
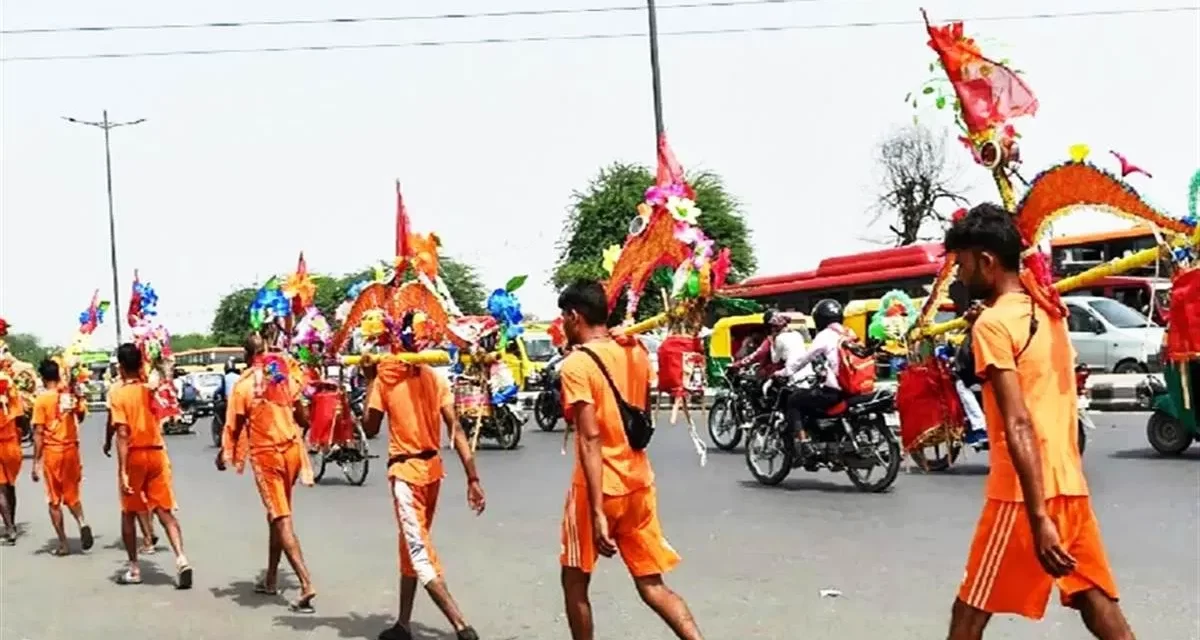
x,y
861,276
211,359
1071,255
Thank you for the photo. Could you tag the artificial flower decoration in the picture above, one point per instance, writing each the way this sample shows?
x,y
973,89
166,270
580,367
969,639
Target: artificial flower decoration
x,y
424,257
611,255
1079,152
721,267
300,287
3,328
373,325
506,309
683,209
270,304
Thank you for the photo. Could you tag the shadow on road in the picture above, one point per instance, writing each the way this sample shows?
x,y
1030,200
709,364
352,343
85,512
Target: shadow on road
x,y
242,594
802,484
351,625
47,548
1150,454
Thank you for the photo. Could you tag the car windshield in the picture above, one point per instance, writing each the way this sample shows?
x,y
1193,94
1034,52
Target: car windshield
x,y
539,348
1119,315
208,379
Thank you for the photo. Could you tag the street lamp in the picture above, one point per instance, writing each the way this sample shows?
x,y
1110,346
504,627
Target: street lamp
x,y
112,225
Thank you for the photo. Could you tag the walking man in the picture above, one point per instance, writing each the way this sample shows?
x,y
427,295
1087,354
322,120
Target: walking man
x,y
416,399
11,410
56,415
611,505
1037,529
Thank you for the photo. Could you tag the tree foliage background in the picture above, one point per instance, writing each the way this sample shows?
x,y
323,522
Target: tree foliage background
x,y
916,179
232,319
599,217
27,347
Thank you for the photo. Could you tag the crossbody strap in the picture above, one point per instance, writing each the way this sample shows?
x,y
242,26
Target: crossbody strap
x,y
611,385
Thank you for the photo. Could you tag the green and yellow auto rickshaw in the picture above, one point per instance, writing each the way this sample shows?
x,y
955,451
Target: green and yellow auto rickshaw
x,y
730,334
1174,425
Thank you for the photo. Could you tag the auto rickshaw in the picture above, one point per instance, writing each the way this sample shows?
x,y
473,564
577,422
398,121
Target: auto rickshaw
x,y
858,315
1174,425
729,334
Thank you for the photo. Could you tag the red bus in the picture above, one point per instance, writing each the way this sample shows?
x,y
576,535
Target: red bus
x,y
861,276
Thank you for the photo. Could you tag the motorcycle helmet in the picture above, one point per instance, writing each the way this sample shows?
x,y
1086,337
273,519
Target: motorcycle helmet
x,y
826,312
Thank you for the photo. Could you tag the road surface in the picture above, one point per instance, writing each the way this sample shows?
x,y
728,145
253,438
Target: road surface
x,y
755,559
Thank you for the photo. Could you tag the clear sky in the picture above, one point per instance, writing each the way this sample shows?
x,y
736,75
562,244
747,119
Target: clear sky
x,y
244,160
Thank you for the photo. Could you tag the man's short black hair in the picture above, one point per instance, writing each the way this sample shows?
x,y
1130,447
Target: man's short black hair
x,y
48,370
129,357
987,227
587,298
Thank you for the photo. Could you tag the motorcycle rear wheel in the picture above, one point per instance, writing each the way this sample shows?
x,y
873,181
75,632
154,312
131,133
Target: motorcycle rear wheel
x,y
766,440
878,433
721,428
509,431
545,416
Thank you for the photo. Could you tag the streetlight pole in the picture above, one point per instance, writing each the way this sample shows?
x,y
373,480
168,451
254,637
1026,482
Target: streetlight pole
x,y
654,73
112,224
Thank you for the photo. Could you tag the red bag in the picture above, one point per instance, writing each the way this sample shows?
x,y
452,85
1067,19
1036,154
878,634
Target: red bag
x,y
856,366
1183,323
681,365
928,404
322,413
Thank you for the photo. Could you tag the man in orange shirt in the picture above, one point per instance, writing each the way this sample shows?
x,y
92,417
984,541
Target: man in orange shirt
x,y
149,540
56,415
143,468
1037,529
265,405
10,462
416,398
611,505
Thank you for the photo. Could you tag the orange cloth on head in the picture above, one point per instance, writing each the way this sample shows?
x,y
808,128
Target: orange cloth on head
x,y
632,523
275,473
1003,573
148,467
415,506
1046,371
10,441
624,470
413,397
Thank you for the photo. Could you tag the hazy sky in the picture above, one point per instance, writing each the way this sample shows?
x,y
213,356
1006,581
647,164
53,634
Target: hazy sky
x,y
244,160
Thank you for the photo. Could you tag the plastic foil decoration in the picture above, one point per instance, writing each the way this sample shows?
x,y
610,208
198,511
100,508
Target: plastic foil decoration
x,y
154,341
929,408
503,305
896,315
1183,324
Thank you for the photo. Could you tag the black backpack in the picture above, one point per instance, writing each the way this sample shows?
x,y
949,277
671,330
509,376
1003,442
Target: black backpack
x,y
638,423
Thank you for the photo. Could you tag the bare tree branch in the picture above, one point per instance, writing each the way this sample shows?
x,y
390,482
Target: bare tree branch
x,y
916,179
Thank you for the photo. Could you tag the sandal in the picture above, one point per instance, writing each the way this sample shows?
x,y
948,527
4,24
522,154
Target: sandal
x,y
262,589
59,552
183,577
304,604
86,538
129,577
8,540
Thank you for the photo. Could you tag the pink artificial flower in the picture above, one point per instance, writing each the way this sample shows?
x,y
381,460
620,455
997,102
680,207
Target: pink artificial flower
x,y
720,268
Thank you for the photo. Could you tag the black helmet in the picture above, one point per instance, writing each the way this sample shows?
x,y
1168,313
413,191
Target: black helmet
x,y
826,312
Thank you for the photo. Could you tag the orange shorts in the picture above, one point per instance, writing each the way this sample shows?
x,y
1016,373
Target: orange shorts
x,y
1003,572
275,473
632,524
62,472
150,478
414,506
10,461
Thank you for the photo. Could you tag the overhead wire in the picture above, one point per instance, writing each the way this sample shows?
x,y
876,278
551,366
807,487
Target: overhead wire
x,y
592,36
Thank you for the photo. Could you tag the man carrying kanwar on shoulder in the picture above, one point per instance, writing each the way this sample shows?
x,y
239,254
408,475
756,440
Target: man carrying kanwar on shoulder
x,y
149,540
56,415
143,468
417,401
611,505
266,408
1037,529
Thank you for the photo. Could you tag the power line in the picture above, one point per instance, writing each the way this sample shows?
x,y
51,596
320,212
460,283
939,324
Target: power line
x,y
591,36
369,19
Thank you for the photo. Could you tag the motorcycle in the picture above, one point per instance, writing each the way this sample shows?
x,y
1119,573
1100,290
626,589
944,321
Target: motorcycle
x,y
737,401
182,424
547,407
218,419
501,422
851,436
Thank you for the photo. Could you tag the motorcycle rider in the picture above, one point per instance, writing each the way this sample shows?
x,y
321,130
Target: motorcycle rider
x,y
780,347
827,315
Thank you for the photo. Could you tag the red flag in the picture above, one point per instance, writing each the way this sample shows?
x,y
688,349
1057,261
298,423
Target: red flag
x,y
403,229
669,170
135,301
989,93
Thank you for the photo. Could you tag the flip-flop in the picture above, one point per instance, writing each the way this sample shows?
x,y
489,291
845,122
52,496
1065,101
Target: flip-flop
x,y
86,537
262,589
304,604
183,577
60,553
146,550
129,577
395,632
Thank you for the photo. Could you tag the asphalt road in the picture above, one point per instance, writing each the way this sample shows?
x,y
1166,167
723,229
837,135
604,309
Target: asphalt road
x,y
755,559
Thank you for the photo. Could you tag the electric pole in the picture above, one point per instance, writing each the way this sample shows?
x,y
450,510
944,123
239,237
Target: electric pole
x,y
112,224
654,74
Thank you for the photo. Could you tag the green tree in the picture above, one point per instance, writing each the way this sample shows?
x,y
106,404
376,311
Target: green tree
x,y
27,347
186,341
600,214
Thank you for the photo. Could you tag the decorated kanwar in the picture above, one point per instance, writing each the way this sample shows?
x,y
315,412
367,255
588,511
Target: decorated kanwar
x,y
403,325
265,408
1037,529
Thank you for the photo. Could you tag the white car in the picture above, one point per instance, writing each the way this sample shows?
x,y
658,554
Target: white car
x,y
1111,337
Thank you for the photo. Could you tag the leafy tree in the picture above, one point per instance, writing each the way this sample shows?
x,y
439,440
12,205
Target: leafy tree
x,y
186,341
916,179
600,214
27,347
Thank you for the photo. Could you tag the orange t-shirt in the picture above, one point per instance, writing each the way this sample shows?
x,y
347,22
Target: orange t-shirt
x,y
269,424
131,404
1047,373
412,397
8,417
56,412
624,470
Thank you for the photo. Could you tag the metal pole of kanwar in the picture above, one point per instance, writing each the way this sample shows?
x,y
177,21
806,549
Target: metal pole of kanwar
x,y
107,126
654,73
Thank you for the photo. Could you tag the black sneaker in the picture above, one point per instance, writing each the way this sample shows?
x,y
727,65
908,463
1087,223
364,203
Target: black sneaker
x,y
395,632
468,634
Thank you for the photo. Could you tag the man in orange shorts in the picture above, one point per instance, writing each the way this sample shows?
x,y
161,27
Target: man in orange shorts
x,y
143,468
266,410
416,399
11,410
149,540
611,505
1037,529
56,416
